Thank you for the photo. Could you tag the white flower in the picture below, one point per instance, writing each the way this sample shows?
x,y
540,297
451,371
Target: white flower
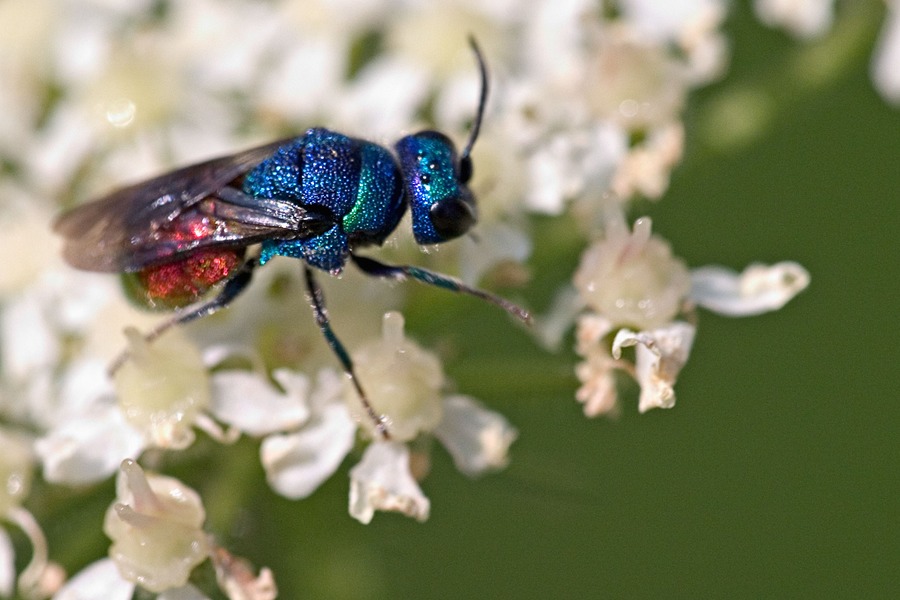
x,y
403,383
478,439
383,481
7,565
253,406
156,529
660,355
89,446
646,168
16,465
100,579
632,278
298,462
162,387
802,18
569,163
886,61
691,24
383,99
758,289
598,391
633,81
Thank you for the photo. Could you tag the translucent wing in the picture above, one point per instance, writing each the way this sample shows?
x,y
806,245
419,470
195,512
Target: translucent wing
x,y
194,207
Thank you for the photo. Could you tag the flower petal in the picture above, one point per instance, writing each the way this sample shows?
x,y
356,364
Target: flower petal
x,y
382,481
296,464
596,373
155,526
497,243
98,580
88,448
757,290
247,401
886,60
237,577
659,357
7,565
802,18
477,438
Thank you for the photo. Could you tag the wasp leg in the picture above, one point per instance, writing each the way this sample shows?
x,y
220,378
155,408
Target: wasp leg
x,y
233,287
317,301
401,272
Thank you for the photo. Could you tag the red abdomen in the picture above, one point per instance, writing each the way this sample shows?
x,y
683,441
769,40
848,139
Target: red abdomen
x,y
182,282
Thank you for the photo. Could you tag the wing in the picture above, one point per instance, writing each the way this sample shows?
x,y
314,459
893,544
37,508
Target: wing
x,y
158,220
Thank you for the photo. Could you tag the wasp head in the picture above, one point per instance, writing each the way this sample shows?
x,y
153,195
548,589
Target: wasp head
x,y
436,178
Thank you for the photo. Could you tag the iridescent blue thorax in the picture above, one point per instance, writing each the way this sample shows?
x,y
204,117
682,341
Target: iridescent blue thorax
x,y
356,181
359,187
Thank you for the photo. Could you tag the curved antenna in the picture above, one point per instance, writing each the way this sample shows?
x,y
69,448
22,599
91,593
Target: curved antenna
x,y
476,125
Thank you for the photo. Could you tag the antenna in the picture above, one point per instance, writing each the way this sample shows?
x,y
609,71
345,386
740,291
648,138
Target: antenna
x,y
465,161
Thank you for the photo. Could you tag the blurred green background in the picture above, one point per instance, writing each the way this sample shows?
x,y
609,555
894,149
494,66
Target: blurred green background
x,y
776,475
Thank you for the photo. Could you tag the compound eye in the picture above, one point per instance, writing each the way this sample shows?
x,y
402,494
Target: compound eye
x,y
453,217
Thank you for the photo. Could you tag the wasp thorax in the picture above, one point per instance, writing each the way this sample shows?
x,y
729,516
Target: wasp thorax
x,y
442,205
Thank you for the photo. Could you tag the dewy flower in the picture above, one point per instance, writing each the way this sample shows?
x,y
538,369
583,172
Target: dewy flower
x,y
16,465
156,528
401,379
160,392
886,61
660,355
163,387
404,383
631,280
631,277
802,18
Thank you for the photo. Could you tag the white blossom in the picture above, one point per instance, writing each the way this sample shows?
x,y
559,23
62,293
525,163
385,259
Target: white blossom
x,y
7,565
478,439
39,577
660,355
298,462
88,447
802,18
403,382
100,579
758,289
598,392
162,387
156,529
886,60
253,406
382,481
632,278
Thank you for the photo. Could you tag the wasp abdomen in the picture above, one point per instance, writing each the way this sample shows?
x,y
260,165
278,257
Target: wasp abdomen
x,y
182,282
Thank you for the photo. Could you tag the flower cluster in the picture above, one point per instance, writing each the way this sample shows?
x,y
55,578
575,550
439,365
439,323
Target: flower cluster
x,y
585,116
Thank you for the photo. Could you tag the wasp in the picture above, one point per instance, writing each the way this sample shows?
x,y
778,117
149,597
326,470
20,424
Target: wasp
x,y
320,197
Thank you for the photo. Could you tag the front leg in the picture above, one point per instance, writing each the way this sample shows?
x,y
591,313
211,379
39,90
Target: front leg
x,y
317,301
401,272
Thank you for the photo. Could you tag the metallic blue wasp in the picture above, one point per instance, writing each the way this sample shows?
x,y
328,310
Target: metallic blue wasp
x,y
319,197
